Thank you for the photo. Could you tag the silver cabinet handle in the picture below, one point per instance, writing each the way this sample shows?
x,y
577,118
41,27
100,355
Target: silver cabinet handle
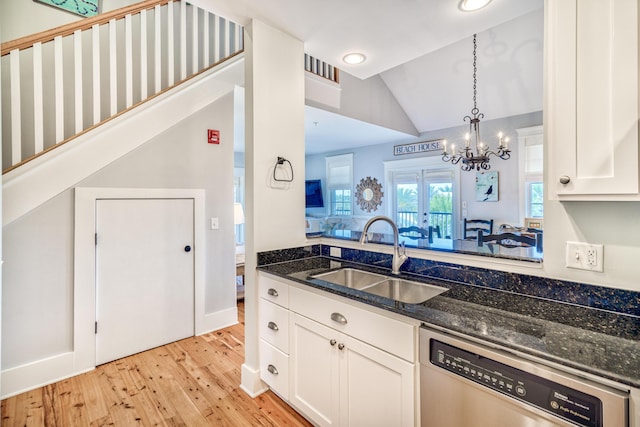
x,y
272,292
565,179
340,346
333,342
339,318
272,369
272,326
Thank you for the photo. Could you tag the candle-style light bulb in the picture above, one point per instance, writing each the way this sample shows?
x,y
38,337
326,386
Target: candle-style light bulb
x,y
506,142
444,143
467,138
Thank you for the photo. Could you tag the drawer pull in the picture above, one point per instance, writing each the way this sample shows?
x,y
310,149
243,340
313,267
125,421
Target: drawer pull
x,y
339,318
340,346
272,369
272,326
272,292
333,342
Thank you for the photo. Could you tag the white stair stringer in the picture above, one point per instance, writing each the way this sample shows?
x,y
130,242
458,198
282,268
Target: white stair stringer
x,y
43,178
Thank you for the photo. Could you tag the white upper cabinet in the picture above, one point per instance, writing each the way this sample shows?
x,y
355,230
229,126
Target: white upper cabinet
x,y
591,99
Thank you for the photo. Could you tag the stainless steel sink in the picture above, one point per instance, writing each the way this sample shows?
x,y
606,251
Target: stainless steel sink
x,y
351,278
377,284
405,290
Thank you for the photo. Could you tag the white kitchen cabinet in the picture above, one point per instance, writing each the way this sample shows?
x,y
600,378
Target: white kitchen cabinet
x,y
315,379
347,364
273,326
591,99
339,380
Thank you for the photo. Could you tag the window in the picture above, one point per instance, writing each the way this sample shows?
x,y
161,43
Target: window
x,y
238,197
340,184
531,172
535,199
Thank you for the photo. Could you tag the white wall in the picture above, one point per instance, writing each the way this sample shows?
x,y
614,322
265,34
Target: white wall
x,y
370,101
38,272
23,18
274,89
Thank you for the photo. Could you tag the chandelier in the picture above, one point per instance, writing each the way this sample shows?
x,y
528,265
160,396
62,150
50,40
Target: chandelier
x,y
477,159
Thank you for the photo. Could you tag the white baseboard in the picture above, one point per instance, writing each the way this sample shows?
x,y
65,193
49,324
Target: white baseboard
x,y
250,381
218,320
37,374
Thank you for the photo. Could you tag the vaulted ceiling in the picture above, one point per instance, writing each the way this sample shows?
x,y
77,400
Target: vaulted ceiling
x,y
421,49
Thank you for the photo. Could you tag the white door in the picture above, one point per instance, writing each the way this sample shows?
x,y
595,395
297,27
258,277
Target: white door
x,y
425,197
144,274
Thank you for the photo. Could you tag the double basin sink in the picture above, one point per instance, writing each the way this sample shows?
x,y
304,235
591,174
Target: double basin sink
x,y
393,288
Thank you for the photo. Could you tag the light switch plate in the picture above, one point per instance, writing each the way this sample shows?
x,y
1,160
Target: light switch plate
x,y
585,256
215,224
335,252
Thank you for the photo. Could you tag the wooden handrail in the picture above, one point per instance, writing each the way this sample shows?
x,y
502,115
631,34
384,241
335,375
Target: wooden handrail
x,y
83,24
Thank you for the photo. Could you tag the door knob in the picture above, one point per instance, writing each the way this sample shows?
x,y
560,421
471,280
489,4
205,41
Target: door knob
x,y
187,248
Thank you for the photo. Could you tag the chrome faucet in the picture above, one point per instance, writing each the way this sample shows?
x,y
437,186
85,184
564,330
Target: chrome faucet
x,y
398,259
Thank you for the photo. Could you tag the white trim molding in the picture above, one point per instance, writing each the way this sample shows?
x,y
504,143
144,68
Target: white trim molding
x,y
83,356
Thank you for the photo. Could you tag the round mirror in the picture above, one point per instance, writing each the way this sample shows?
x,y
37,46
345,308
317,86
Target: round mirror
x,y
369,194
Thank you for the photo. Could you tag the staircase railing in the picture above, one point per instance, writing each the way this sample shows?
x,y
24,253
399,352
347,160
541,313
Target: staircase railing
x,y
61,83
321,68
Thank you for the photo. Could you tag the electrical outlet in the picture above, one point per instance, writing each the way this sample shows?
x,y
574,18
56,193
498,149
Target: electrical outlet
x,y
335,252
585,256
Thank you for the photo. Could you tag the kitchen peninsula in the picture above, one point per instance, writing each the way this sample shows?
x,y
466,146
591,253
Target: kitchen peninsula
x,y
584,331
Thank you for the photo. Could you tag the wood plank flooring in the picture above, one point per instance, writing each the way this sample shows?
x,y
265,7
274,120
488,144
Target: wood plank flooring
x,y
192,382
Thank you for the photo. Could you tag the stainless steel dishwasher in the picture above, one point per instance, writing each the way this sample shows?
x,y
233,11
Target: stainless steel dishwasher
x,y
465,384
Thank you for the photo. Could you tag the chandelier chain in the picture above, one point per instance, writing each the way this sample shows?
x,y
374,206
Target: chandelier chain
x,y
475,80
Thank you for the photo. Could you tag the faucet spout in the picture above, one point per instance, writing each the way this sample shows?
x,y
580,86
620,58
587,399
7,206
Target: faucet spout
x,y
398,258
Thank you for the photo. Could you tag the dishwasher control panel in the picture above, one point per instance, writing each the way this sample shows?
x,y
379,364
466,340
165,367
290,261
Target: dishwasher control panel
x,y
564,402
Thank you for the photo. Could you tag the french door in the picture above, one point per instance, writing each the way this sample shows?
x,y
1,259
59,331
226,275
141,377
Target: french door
x,y
425,197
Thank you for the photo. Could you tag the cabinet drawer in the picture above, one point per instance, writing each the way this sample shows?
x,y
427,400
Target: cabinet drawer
x,y
274,290
274,369
388,334
274,325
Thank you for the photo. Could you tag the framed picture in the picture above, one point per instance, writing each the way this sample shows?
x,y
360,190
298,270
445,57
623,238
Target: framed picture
x,y
86,8
487,187
536,223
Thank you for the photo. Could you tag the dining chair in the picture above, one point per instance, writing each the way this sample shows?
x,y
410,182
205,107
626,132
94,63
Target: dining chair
x,y
511,240
473,226
416,233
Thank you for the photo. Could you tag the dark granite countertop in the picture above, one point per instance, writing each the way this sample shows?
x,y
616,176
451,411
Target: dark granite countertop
x,y
603,343
444,245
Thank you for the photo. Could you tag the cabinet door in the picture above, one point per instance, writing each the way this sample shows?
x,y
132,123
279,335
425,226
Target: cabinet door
x,y
313,368
591,108
376,388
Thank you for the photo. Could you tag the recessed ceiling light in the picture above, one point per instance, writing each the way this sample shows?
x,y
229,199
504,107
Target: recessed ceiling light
x,y
471,5
354,58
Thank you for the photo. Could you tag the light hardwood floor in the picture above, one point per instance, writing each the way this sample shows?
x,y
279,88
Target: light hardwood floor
x,y
192,382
